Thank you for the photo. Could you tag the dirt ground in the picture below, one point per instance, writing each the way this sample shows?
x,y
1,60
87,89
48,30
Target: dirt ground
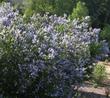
x,y
87,87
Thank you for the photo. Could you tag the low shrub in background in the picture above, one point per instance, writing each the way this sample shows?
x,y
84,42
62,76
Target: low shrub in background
x,y
105,34
43,57
99,73
79,11
95,49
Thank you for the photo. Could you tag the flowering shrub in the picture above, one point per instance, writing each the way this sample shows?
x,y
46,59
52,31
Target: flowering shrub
x,y
43,57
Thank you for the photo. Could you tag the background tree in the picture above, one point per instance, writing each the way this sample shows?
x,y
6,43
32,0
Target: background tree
x,y
58,7
99,10
64,6
80,11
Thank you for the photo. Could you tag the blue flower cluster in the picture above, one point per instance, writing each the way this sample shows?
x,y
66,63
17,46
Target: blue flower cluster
x,y
43,57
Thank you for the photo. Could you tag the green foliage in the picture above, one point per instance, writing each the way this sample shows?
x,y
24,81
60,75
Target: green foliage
x,y
37,6
42,6
99,73
80,11
99,10
58,7
95,49
28,12
2,1
64,6
105,34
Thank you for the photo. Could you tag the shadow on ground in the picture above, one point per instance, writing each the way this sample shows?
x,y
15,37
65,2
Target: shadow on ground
x,y
91,95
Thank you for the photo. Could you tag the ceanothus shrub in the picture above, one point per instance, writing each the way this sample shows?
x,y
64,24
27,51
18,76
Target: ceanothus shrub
x,y
44,57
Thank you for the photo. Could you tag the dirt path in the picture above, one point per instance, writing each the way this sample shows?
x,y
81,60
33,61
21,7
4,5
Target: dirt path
x,y
108,71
